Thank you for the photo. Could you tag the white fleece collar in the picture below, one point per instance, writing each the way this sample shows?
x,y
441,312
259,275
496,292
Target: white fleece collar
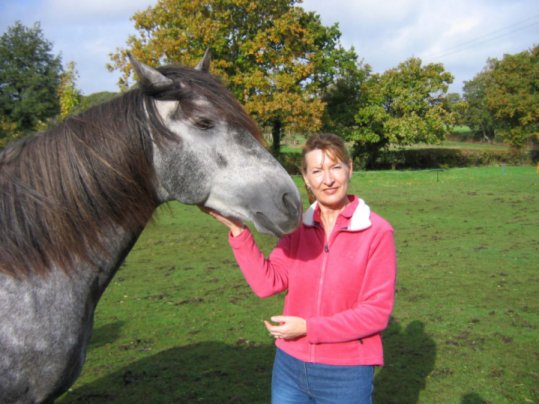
x,y
360,219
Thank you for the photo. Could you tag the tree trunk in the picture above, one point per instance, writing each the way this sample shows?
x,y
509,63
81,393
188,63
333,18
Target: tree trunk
x,y
276,132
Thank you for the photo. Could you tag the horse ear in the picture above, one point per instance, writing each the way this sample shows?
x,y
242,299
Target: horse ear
x,y
150,80
204,64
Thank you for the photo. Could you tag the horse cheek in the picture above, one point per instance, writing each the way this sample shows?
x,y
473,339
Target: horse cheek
x,y
185,179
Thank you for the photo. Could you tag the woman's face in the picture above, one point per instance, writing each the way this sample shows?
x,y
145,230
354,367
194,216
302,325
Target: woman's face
x,y
327,178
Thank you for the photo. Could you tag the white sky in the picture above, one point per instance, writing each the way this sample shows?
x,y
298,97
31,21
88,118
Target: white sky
x,y
461,34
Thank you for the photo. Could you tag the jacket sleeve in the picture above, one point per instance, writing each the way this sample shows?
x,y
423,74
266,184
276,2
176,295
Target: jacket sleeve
x,y
266,277
371,313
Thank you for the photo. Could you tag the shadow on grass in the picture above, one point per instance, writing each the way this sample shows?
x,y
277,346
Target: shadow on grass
x,y
106,334
410,355
206,372
473,398
214,372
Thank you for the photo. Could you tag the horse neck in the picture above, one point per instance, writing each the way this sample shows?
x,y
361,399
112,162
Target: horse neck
x,y
120,242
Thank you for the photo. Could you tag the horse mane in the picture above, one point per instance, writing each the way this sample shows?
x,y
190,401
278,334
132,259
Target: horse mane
x,y
60,189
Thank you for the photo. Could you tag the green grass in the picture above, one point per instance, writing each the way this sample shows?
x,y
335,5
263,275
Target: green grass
x,y
461,129
178,324
286,149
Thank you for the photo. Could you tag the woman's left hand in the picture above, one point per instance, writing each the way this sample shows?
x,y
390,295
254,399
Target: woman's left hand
x,y
288,327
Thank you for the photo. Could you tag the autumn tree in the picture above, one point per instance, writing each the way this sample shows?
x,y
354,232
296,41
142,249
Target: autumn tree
x,y
272,54
29,78
68,94
402,106
512,96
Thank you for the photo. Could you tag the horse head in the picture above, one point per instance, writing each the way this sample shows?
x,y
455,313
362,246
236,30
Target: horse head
x,y
210,152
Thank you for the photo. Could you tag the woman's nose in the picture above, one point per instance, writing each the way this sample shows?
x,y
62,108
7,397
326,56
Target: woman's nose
x,y
328,178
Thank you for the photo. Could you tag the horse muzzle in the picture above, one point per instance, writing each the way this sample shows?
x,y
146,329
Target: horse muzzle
x,y
283,221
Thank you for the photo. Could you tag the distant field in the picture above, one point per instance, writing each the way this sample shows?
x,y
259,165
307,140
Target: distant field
x,y
461,129
297,142
452,144
179,325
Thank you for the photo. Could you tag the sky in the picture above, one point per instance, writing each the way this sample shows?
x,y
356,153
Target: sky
x,y
460,34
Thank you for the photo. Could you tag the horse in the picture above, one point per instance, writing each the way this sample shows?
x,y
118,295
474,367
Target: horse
x,y
75,198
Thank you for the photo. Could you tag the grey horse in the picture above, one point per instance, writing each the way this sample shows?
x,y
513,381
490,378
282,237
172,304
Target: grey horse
x,y
74,200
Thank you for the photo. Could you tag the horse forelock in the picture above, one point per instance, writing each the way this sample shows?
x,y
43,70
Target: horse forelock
x,y
60,189
192,85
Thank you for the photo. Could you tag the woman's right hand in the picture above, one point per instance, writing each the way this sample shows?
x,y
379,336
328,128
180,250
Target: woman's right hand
x,y
235,226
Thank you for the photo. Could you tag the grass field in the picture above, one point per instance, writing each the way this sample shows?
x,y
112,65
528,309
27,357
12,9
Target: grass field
x,y
454,144
179,325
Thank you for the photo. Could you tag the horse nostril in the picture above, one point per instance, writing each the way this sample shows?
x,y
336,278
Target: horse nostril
x,y
290,204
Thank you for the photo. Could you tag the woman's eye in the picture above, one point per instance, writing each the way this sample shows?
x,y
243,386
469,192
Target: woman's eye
x,y
204,124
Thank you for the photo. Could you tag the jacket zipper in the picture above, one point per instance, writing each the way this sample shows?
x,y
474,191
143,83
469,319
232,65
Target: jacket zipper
x,y
320,287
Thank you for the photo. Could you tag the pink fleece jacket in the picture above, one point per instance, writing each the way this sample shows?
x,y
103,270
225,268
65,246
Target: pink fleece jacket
x,y
344,287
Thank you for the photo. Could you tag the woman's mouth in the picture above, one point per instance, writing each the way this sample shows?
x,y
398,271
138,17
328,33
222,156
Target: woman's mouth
x,y
330,191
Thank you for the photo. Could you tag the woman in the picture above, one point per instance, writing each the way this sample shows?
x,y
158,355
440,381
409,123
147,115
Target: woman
x,y
338,269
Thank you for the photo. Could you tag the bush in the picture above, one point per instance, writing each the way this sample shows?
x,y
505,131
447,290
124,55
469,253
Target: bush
x,y
291,162
448,158
534,155
417,159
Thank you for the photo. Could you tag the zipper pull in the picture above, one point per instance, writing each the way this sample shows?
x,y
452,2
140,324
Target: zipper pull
x,y
326,248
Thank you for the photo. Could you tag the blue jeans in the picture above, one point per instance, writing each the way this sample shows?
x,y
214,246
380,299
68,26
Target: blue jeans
x,y
295,382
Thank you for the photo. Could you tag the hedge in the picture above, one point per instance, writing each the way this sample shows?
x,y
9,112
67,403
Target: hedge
x,y
430,158
447,158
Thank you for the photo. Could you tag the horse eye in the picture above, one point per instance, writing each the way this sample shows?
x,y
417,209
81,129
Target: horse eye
x,y
204,123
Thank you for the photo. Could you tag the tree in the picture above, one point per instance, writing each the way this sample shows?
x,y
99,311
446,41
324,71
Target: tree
x,y
91,100
271,54
342,94
8,131
402,106
456,104
512,96
476,114
68,94
29,78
